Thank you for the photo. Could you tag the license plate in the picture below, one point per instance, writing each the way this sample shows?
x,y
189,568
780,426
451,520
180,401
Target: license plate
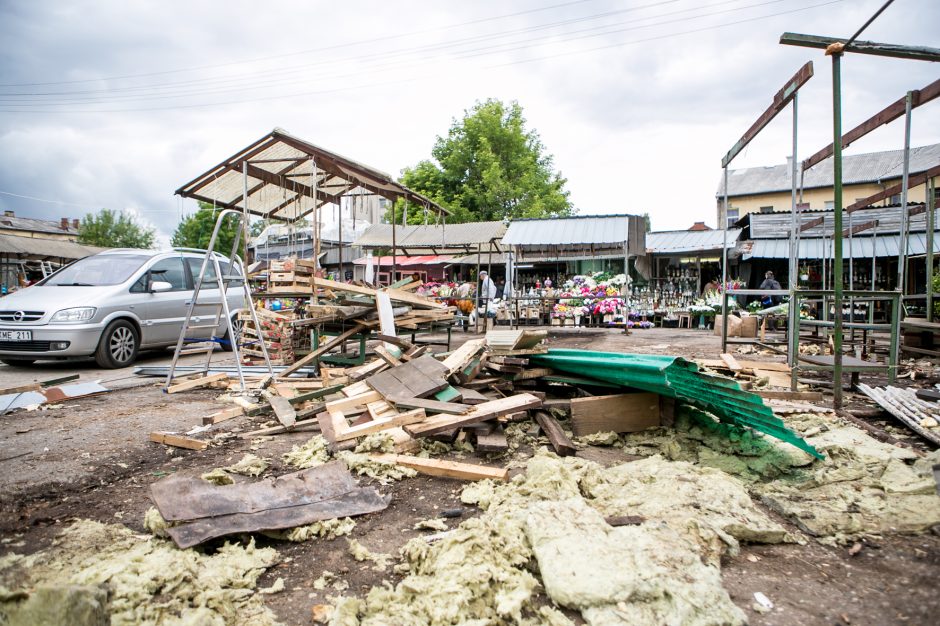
x,y
16,335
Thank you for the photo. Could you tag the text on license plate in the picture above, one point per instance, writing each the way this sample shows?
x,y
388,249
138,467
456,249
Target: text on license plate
x,y
16,335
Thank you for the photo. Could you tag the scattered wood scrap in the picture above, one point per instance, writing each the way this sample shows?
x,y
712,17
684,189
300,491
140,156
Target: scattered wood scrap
x,y
445,469
556,435
178,441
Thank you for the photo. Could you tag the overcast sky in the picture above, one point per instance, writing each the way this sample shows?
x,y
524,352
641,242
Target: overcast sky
x,y
116,104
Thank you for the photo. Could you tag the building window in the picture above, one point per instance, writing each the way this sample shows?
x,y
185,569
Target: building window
x,y
895,199
766,209
733,214
830,205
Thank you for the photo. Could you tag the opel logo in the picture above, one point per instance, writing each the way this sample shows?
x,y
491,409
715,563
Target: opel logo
x,y
18,316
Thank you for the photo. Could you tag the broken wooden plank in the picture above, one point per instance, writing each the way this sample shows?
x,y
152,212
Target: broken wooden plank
x,y
479,413
223,415
445,469
460,357
387,356
731,362
198,382
531,373
450,394
329,345
178,441
375,426
621,413
556,435
471,396
283,411
338,406
418,379
431,406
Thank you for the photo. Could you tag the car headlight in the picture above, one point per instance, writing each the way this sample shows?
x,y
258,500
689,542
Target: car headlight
x,y
78,314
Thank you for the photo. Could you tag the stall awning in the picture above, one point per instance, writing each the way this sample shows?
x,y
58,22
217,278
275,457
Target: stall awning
x,y
560,231
817,248
686,241
463,236
406,261
285,174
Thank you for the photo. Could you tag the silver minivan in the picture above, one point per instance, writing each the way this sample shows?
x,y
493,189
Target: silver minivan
x,y
112,305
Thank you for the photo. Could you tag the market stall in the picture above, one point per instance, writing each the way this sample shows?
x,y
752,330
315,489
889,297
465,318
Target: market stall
x,y
573,270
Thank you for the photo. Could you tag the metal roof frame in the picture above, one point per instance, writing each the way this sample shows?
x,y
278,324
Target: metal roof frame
x,y
288,178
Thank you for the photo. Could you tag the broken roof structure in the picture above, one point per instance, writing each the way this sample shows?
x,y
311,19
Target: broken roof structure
x,y
454,237
283,177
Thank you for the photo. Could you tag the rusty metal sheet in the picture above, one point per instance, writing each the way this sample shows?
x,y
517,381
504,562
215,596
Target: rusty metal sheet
x,y
359,501
188,498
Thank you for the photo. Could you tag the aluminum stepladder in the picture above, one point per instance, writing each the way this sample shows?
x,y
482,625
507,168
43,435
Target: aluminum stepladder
x,y
184,345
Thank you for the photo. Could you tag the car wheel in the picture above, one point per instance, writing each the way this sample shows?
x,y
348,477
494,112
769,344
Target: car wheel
x,y
237,326
118,346
18,362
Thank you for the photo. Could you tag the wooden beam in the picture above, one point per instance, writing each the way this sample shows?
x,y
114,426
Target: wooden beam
x,y
780,101
885,116
912,181
556,435
916,53
224,415
433,406
343,404
848,232
376,426
479,413
329,345
198,382
445,469
178,441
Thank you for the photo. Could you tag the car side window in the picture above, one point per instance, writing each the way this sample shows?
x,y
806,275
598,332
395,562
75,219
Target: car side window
x,y
195,264
166,270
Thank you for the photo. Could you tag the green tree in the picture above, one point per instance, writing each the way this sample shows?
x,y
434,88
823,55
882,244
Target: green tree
x,y
195,230
114,229
488,167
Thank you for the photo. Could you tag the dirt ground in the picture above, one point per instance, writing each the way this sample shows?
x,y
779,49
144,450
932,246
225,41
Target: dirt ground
x,y
91,459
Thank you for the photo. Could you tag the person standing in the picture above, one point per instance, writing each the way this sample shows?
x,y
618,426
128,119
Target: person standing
x,y
487,287
770,284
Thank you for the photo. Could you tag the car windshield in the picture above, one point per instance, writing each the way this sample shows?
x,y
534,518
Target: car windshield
x,y
98,270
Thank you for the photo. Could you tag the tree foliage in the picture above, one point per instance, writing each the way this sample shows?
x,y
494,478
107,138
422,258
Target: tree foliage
x,y
114,229
195,230
488,167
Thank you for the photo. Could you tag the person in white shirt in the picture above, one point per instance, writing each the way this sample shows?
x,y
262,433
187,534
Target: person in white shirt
x,y
487,287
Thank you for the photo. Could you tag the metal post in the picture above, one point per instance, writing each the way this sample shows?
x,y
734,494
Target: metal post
x,y
724,268
391,278
342,275
476,323
902,252
837,227
930,190
794,347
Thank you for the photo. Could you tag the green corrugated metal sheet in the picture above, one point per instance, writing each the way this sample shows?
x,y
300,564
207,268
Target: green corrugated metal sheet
x,y
675,377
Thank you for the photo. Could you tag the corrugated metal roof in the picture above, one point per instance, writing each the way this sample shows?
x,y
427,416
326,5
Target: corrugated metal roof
x,y
405,261
30,224
581,229
38,248
818,248
772,225
678,241
447,236
856,169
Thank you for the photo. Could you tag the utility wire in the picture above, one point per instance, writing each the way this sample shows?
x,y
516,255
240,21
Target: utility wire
x,y
465,55
312,50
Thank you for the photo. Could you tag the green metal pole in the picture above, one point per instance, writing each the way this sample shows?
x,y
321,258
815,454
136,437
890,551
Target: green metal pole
x,y
837,228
